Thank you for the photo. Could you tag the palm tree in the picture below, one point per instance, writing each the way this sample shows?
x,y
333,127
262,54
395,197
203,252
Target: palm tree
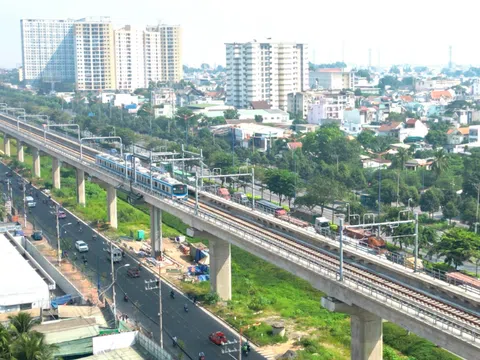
x,y
5,340
440,162
22,323
32,346
402,157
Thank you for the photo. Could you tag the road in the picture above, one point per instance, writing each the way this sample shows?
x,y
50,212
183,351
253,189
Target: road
x,y
192,328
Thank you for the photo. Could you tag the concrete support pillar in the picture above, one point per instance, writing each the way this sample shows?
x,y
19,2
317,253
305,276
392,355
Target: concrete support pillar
x,y
80,187
112,206
220,268
56,173
36,162
367,334
20,151
366,330
6,145
155,230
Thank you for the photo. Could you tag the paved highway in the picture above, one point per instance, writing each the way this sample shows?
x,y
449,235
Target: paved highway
x,y
192,328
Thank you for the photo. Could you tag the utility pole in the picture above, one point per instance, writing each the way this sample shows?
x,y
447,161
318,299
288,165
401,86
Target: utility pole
x,y
24,207
113,285
341,250
59,256
478,201
416,240
149,286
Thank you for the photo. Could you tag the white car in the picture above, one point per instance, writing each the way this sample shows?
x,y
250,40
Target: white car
x,y
81,246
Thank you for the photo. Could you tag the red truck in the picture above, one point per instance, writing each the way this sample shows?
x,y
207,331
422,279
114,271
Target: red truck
x,y
223,193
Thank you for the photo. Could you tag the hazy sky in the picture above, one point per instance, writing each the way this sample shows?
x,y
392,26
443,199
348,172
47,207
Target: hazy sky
x,y
410,31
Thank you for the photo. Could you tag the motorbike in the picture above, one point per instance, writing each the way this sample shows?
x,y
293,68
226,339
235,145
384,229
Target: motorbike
x,y
172,294
125,298
185,308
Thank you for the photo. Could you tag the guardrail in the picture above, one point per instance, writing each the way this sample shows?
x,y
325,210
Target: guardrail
x,y
317,265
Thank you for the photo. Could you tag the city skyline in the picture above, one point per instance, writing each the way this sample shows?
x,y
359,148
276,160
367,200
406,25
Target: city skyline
x,y
416,33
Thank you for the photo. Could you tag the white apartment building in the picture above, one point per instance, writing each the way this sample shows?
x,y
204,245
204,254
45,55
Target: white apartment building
x,y
47,50
97,57
300,102
325,108
94,54
332,79
265,71
163,53
129,58
164,101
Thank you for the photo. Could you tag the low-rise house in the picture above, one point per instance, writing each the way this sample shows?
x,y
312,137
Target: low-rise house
x,y
457,136
414,164
414,130
390,129
442,96
369,163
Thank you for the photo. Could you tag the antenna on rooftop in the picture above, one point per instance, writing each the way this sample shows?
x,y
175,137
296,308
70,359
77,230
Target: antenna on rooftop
x,y
370,58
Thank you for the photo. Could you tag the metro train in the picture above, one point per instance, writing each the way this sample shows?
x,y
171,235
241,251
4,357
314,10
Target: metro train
x,y
161,183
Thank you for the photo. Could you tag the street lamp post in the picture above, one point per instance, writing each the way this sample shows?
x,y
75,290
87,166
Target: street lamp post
x,y
59,232
112,285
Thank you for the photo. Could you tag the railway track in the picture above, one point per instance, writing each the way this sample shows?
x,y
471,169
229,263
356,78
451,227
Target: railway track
x,y
354,272
351,270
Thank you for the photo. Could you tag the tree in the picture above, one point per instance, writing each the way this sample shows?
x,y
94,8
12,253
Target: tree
x,y
436,138
231,114
401,158
409,192
394,70
440,162
430,202
364,73
458,245
322,191
281,182
22,323
5,341
450,211
32,346
258,118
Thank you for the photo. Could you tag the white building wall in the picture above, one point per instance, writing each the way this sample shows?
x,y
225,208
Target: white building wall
x,y
129,58
47,50
265,71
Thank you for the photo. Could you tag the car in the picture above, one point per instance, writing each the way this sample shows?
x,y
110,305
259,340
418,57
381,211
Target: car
x,y
37,235
61,214
218,338
133,272
81,246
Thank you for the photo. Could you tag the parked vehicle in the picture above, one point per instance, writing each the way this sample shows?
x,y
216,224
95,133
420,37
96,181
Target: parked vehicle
x,y
31,203
241,198
218,338
223,193
61,214
81,246
116,253
37,235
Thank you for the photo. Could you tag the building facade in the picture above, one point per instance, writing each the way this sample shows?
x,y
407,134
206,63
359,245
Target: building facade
x,y
129,58
265,71
94,54
164,101
97,56
47,50
299,103
332,79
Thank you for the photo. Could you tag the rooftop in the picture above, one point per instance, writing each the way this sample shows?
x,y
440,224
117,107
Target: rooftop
x,y
27,282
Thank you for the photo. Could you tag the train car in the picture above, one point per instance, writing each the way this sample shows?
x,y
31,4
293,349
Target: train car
x,y
458,278
161,183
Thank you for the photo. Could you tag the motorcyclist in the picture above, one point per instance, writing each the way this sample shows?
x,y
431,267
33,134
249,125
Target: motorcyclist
x,y
201,356
84,260
174,341
125,297
94,236
185,307
172,294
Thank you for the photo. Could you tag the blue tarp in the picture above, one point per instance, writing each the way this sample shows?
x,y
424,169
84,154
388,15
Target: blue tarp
x,y
61,300
198,270
203,278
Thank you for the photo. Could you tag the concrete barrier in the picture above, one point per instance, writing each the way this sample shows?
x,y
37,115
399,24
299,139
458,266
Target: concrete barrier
x,y
56,275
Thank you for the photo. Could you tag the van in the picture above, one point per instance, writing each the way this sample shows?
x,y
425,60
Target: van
x,y
322,224
241,198
30,202
116,253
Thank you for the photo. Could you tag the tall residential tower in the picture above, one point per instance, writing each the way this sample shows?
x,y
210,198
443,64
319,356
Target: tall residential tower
x,y
47,50
266,71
